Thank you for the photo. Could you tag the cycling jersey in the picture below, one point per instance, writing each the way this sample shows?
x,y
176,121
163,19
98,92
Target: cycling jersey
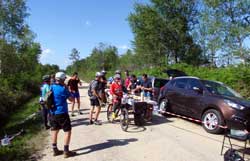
x,y
116,89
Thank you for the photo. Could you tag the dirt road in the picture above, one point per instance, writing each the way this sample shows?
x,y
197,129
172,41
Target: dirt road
x,y
165,139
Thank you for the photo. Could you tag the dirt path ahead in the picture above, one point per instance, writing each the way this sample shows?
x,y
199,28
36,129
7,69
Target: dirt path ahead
x,y
166,139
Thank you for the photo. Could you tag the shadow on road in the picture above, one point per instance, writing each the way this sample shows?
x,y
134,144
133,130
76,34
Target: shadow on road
x,y
157,120
78,122
101,146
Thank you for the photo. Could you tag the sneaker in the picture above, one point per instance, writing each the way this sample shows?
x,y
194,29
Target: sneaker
x,y
80,113
97,122
57,152
69,154
72,115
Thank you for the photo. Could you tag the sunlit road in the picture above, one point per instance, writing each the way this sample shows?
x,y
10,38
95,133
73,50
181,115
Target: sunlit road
x,y
165,139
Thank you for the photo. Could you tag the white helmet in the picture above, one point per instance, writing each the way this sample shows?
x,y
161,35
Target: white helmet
x,y
60,76
117,72
98,74
117,76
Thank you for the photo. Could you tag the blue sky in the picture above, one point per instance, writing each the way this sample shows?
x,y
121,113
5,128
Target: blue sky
x,y
61,25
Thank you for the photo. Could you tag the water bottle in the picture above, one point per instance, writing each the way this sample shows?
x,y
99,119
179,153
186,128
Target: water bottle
x,y
148,96
142,95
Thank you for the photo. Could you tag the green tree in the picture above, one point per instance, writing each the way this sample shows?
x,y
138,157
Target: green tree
x,y
74,56
12,20
161,31
226,27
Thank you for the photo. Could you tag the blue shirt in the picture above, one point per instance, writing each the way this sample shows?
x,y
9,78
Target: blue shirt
x,y
61,94
45,89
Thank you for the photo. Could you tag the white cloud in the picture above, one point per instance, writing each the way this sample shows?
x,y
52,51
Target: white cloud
x,y
45,56
123,47
67,62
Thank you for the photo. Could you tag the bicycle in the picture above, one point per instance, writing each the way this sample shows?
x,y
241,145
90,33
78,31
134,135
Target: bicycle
x,y
122,112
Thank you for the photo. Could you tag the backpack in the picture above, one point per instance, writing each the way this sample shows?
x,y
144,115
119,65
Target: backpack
x,y
49,100
232,155
90,89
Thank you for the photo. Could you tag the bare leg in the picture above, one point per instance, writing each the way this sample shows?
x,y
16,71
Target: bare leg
x,y
97,112
72,107
78,104
54,134
91,113
67,137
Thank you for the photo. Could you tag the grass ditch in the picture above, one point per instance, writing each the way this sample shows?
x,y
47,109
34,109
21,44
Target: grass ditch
x,y
25,146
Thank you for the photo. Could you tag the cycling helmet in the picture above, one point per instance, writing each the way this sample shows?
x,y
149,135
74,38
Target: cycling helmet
x,y
117,72
60,76
46,78
103,72
117,76
98,74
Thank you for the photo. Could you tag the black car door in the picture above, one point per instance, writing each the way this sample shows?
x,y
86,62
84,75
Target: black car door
x,y
176,94
194,96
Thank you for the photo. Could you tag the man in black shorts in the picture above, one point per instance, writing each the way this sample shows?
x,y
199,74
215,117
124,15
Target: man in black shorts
x,y
95,99
59,118
73,89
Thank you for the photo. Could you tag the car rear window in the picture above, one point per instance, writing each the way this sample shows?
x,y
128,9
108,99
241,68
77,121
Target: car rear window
x,y
180,83
158,83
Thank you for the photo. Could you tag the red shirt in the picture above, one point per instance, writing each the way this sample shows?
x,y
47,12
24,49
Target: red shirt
x,y
116,89
127,81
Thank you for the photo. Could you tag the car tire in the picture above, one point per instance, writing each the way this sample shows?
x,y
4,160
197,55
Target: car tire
x,y
210,121
163,106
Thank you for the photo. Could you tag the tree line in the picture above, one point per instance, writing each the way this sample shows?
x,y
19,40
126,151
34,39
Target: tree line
x,y
20,69
211,33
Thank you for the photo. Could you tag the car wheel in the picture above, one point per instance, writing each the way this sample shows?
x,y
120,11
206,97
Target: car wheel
x,y
163,105
211,119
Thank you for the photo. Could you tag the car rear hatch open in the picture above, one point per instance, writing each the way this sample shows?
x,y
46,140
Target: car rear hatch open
x,y
174,73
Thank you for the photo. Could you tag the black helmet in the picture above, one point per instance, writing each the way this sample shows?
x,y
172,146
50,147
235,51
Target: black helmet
x,y
46,78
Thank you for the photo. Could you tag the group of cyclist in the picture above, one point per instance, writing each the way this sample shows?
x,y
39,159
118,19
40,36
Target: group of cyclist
x,y
116,86
62,91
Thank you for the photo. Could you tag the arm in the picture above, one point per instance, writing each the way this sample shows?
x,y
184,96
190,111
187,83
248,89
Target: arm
x,y
79,82
68,85
71,99
94,89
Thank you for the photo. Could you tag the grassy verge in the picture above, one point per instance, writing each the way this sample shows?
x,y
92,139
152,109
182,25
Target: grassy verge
x,y
27,144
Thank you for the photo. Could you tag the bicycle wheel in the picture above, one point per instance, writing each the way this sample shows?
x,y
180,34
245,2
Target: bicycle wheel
x,y
124,119
109,112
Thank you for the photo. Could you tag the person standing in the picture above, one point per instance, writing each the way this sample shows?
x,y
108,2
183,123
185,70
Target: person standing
x,y
103,86
59,115
146,85
134,85
44,89
73,88
95,99
127,79
52,79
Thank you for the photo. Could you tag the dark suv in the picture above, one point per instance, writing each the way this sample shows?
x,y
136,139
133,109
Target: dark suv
x,y
212,102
